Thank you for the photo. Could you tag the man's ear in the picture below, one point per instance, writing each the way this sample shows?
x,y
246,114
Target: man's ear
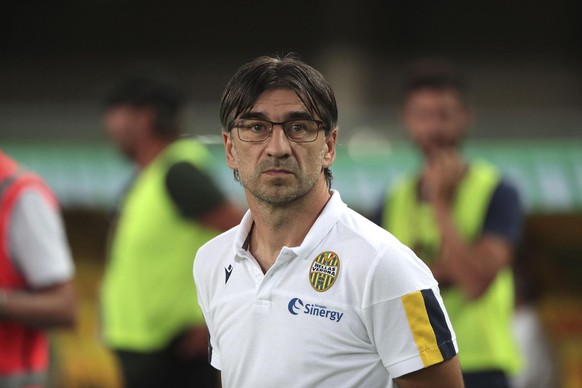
x,y
228,149
330,148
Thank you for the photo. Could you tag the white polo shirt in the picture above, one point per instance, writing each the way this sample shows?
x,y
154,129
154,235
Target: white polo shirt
x,y
350,307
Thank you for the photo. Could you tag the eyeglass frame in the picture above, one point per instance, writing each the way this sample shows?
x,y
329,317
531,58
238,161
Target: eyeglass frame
x,y
320,126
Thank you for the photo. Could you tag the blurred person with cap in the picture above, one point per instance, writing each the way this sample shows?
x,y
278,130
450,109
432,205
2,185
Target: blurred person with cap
x,y
305,292
36,273
149,304
463,219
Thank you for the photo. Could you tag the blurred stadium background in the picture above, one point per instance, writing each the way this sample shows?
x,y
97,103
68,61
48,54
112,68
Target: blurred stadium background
x,y
522,60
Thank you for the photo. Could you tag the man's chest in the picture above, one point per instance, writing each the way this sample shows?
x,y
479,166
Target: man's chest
x,y
296,300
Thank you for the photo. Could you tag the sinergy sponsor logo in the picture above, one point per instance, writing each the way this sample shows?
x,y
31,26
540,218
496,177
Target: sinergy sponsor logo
x,y
297,306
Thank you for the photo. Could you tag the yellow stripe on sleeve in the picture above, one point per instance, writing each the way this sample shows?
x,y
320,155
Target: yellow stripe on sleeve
x,y
422,331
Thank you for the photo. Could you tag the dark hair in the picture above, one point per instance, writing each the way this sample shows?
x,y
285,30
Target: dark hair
x,y
435,74
264,73
146,91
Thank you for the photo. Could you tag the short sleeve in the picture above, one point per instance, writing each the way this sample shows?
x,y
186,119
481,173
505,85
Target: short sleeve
x,y
192,190
213,350
213,354
404,314
504,215
37,241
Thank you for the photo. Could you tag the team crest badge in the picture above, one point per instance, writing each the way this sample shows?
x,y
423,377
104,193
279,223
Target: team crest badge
x,y
324,271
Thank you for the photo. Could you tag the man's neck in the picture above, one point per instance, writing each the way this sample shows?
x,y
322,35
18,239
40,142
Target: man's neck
x,y
150,149
279,226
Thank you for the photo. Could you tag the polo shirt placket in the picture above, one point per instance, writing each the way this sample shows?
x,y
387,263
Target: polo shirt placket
x,y
265,283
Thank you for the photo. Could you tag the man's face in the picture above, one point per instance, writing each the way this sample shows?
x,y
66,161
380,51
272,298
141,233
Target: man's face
x,y
278,171
435,119
126,126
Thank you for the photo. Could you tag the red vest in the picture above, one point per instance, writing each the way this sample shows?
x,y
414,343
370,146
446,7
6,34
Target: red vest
x,y
22,349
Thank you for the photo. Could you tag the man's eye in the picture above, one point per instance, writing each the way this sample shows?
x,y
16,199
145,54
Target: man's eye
x,y
257,127
297,127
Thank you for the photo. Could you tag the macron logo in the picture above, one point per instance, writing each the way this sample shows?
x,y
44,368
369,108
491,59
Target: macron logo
x,y
227,273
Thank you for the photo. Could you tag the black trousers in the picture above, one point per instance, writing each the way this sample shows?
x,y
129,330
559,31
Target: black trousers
x,y
165,369
486,379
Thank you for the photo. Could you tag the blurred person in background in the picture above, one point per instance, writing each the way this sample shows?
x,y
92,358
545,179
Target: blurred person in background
x,y
540,369
464,220
305,291
151,317
36,272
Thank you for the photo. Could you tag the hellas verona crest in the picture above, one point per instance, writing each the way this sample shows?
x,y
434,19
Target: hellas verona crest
x,y
324,271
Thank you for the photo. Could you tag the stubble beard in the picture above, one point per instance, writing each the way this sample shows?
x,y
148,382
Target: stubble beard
x,y
281,192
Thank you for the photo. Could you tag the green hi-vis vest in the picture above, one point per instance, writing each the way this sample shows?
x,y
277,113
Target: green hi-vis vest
x,y
483,326
148,291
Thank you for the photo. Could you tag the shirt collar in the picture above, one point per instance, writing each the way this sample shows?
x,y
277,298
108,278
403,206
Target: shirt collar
x,y
241,240
320,228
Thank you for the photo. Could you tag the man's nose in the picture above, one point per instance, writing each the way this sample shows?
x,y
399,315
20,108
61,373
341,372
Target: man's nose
x,y
278,144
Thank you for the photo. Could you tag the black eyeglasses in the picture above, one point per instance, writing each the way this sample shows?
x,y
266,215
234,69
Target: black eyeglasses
x,y
298,131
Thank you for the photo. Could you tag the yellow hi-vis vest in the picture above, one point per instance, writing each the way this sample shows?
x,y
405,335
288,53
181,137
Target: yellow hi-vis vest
x,y
483,326
148,293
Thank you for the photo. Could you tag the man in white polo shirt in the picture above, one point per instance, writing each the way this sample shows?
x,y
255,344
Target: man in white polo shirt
x,y
306,292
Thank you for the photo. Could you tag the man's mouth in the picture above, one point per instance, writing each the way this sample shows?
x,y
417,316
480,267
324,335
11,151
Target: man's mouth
x,y
277,172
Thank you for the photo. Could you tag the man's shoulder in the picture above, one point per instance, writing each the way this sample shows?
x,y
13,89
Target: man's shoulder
x,y
187,150
505,195
366,231
212,255
506,187
218,245
387,255
365,236
405,182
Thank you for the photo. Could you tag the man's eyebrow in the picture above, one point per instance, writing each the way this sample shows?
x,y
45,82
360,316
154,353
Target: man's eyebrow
x,y
295,115
298,115
253,115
